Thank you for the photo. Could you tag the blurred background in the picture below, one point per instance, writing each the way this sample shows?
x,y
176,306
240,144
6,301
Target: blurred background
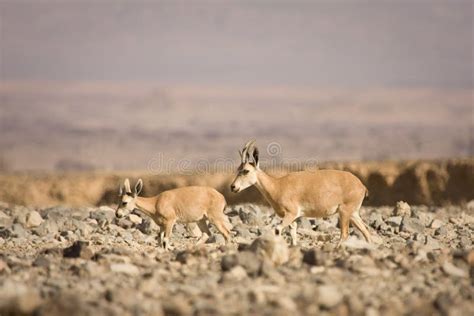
x,y
99,85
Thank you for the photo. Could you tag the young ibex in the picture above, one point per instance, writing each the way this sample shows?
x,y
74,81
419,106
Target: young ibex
x,y
183,205
306,193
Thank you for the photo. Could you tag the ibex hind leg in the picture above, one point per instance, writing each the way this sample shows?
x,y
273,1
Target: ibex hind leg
x,y
357,221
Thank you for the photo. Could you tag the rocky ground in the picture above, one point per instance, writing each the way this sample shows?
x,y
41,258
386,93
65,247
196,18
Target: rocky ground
x,y
83,261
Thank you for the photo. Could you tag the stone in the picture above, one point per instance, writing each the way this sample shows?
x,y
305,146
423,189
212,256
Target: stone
x,y
329,296
17,230
273,247
125,268
394,221
146,226
402,209
49,226
124,223
470,205
103,214
237,273
304,223
412,225
451,270
376,220
216,239
315,257
135,219
228,262
424,217
78,249
33,219
250,262
242,231
41,261
436,223
5,220
251,215
432,244
355,243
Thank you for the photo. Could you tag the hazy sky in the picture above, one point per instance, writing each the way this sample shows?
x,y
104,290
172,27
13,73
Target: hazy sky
x,y
320,43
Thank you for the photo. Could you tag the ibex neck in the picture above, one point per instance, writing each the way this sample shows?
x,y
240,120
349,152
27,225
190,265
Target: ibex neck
x,y
267,185
146,205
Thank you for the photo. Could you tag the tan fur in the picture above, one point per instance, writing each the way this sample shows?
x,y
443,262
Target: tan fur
x,y
306,193
182,205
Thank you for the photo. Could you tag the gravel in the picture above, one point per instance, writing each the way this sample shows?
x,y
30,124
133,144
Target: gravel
x,y
84,261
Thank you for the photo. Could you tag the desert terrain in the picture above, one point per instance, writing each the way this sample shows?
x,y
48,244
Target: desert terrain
x,y
63,251
84,261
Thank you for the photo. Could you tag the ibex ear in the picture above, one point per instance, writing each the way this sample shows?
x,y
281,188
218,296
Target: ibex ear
x,y
138,187
255,157
127,186
121,190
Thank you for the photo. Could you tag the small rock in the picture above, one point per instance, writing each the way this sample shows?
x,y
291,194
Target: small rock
x,y
125,268
250,262
242,231
394,221
470,205
304,223
432,244
355,243
215,239
5,220
103,214
402,209
19,231
125,223
436,223
251,215
49,226
273,247
441,231
228,262
376,220
237,273
33,219
79,249
315,257
329,296
424,217
41,261
135,219
412,225
147,226
452,270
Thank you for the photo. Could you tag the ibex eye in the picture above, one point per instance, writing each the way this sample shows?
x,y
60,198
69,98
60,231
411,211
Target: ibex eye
x,y
245,171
